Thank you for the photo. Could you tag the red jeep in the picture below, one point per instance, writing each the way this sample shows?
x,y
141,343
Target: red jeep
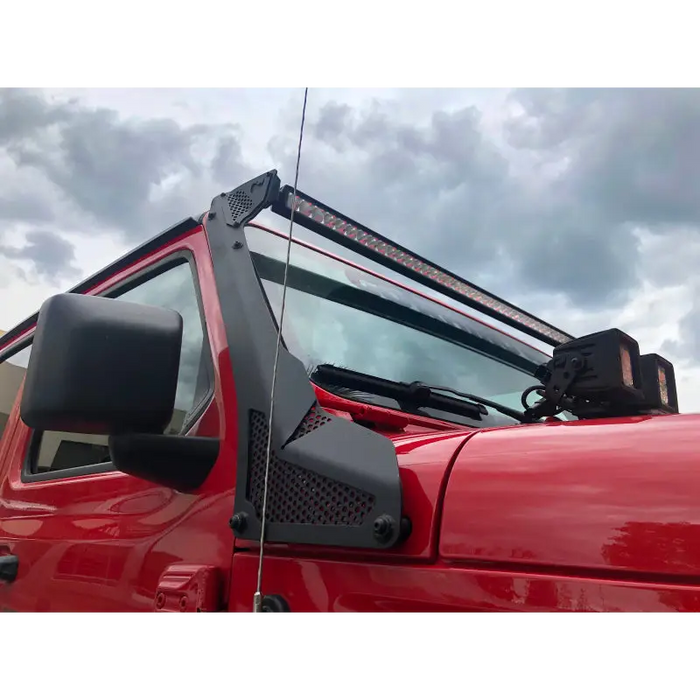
x,y
162,448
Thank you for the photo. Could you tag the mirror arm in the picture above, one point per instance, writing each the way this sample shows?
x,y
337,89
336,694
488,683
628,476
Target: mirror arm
x,y
180,462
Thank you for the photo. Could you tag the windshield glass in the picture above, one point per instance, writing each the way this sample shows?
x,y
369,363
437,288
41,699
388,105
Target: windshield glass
x,y
337,314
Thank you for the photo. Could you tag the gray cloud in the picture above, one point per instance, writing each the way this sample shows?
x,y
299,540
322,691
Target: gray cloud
x,y
51,256
227,159
24,206
634,154
23,113
446,190
132,177
557,209
402,175
633,160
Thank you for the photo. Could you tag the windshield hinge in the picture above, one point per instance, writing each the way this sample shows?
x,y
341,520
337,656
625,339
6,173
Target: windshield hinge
x,y
190,588
364,414
378,417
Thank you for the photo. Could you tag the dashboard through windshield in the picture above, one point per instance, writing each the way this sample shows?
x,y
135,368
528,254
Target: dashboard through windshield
x,y
340,315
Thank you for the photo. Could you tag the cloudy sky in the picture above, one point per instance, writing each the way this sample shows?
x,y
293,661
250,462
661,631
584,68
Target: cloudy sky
x,y
579,205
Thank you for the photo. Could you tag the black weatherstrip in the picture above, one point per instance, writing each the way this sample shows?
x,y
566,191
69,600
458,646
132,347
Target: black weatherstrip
x,y
331,482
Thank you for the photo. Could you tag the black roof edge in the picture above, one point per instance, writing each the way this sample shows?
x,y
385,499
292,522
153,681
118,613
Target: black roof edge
x,y
105,273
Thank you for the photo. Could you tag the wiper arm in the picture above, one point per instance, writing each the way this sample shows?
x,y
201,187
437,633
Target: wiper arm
x,y
414,394
501,408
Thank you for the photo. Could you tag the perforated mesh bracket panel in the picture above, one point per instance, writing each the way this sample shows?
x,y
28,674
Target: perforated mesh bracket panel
x,y
296,495
238,203
314,419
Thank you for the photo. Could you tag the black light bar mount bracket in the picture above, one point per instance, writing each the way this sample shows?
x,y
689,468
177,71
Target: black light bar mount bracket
x,y
330,482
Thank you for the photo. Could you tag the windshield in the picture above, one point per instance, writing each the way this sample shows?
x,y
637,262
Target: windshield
x,y
340,315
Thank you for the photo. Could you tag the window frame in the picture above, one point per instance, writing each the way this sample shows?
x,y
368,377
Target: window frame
x,y
168,262
8,353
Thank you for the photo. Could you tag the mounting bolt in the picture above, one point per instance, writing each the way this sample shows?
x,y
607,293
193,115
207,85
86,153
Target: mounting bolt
x,y
160,600
383,528
274,603
238,523
237,245
183,603
405,528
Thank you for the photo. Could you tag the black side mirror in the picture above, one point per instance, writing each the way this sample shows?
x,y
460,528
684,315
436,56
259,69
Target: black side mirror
x,y
102,366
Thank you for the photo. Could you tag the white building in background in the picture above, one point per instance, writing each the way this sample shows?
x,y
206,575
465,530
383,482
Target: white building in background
x,y
6,393
11,377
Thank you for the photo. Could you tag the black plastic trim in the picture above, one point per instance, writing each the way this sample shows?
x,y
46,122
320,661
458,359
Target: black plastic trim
x,y
180,462
281,208
169,262
110,270
9,568
11,350
30,457
333,449
275,603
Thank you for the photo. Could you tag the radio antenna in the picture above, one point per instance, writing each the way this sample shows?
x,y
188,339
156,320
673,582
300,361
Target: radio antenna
x,y
258,597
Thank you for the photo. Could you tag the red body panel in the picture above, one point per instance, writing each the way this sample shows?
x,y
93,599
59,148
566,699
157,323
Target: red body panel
x,y
318,585
608,498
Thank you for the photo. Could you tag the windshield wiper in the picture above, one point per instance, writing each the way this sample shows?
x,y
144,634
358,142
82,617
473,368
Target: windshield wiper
x,y
413,395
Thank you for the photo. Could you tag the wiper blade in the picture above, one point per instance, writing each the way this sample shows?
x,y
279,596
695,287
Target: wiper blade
x,y
414,394
409,396
501,408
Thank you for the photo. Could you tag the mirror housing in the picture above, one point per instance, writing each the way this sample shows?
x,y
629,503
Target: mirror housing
x,y
88,348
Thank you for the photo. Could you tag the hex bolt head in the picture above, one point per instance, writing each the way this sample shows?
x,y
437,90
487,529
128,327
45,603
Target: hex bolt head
x,y
383,528
238,523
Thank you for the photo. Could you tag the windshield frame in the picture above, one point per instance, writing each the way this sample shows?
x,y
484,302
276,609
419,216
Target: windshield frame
x,y
492,343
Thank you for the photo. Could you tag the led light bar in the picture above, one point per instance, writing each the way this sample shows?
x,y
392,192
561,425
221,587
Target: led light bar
x,y
329,223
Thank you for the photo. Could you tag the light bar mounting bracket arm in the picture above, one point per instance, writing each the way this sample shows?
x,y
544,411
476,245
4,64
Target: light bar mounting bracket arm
x,y
250,198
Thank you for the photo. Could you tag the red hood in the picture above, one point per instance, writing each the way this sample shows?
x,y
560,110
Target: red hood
x,y
589,495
